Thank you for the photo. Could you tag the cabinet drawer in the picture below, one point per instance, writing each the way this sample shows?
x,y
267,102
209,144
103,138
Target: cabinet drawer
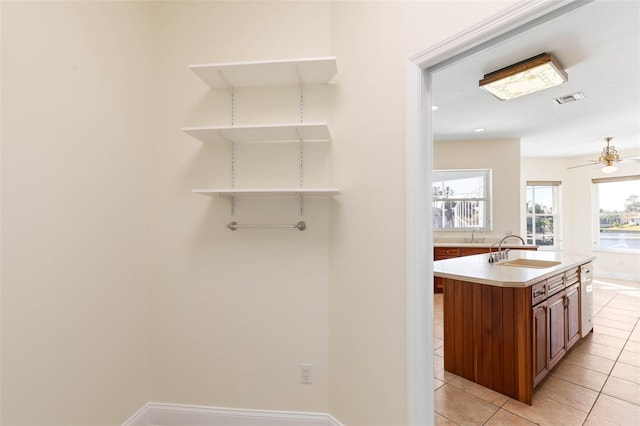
x,y
572,276
469,251
446,252
555,284
538,292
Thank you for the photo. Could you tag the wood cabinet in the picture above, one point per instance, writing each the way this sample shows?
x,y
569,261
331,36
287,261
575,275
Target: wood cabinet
x,y
440,253
573,315
509,338
540,344
556,320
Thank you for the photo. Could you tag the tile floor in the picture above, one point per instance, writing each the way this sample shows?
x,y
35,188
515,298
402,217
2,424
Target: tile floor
x,y
597,382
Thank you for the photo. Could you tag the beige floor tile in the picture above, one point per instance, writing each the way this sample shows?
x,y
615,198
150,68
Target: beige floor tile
x,y
630,358
579,376
545,411
596,421
610,331
609,410
591,362
622,389
611,323
506,418
437,342
568,393
635,335
439,351
438,370
438,333
604,339
624,307
480,391
626,372
597,349
443,421
632,346
618,315
437,383
462,407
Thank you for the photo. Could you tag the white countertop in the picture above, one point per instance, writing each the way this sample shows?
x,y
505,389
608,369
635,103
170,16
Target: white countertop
x,y
482,245
478,269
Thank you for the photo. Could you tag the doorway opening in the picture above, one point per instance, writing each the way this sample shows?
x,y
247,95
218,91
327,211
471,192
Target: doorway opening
x,y
418,154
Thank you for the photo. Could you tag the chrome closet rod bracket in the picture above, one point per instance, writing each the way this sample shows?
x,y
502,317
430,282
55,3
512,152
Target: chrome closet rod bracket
x,y
300,226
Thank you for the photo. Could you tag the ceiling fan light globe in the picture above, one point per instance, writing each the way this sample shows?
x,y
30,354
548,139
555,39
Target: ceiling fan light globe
x,y
609,168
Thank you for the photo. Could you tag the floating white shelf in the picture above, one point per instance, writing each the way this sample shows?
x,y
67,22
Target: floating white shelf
x,y
268,192
308,132
267,73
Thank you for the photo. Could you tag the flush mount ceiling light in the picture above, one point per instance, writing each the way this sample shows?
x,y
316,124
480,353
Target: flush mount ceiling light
x,y
528,76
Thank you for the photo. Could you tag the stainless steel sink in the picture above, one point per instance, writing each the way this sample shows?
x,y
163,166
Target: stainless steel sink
x,y
530,263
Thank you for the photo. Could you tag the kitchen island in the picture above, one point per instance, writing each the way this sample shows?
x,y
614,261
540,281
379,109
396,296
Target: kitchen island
x,y
506,325
451,249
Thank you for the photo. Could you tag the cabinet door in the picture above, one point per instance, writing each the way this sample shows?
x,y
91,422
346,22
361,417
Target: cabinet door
x,y
557,347
540,329
573,315
440,253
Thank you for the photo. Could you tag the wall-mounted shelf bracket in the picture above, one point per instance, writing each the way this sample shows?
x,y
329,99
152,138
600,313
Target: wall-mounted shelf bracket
x,y
301,197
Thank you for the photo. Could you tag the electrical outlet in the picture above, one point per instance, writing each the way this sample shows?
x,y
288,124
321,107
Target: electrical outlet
x,y
305,373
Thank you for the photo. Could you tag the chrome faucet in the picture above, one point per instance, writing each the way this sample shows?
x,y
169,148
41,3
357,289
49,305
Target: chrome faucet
x,y
502,255
509,236
473,231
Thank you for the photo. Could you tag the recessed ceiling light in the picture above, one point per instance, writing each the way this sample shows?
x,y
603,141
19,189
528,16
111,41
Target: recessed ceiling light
x,y
434,107
479,130
528,76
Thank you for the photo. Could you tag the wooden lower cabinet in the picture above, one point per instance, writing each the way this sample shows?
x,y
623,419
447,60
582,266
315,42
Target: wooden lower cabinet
x,y
557,344
440,253
508,338
573,315
540,344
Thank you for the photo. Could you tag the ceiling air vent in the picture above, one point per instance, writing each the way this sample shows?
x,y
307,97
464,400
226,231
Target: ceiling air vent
x,y
578,96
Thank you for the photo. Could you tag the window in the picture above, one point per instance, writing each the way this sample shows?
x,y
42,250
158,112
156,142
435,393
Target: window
x,y
461,199
543,214
617,202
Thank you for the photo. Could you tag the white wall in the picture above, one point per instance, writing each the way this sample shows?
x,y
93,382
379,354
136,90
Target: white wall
x,y
372,41
231,315
76,202
503,158
236,313
577,207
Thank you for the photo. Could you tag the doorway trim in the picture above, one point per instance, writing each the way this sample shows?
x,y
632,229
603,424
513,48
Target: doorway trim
x,y
418,168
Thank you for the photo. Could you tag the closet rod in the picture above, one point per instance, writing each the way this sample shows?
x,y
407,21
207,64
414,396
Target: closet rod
x,y
300,226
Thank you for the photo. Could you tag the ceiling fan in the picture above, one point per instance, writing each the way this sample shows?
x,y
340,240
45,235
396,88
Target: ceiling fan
x,y
608,158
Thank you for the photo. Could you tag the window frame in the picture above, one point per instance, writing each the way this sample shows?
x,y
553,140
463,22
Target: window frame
x,y
596,213
556,214
487,199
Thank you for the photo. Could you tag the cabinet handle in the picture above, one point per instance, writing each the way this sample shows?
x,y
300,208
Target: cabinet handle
x,y
538,293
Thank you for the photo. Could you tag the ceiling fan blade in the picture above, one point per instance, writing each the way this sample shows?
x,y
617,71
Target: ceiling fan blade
x,y
583,165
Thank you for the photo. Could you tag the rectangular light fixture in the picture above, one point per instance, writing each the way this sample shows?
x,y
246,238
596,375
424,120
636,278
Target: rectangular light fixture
x,y
528,76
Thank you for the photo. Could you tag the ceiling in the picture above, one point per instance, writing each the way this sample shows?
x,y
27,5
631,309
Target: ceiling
x,y
598,45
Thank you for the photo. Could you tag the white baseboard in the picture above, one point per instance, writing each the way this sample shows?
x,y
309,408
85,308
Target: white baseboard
x,y
162,414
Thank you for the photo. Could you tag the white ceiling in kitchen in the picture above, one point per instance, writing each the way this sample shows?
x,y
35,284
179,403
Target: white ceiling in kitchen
x,y
598,45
